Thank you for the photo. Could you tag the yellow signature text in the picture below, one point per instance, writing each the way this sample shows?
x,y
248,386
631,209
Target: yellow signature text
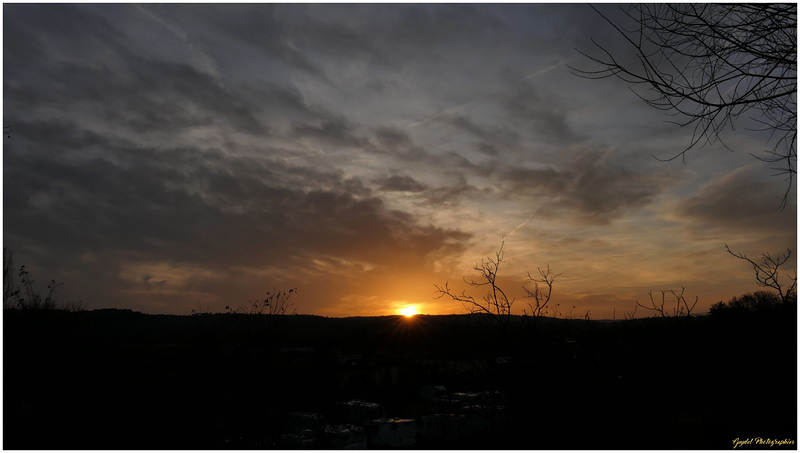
x,y
738,442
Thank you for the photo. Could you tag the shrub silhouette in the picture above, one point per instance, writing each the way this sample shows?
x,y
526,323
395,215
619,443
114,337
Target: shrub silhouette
x,y
28,297
276,302
758,301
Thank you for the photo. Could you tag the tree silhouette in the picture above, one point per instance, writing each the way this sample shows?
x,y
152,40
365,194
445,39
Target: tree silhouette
x,y
758,301
767,275
682,307
495,302
541,293
709,64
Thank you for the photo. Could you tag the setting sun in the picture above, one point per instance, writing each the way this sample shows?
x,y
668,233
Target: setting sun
x,y
409,311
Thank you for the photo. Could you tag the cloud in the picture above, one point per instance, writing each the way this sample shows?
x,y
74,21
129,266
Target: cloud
x,y
737,205
259,27
542,113
204,151
397,144
335,131
492,135
21,48
452,195
83,60
204,61
488,149
169,93
425,195
115,174
589,189
159,97
490,138
155,203
396,183
196,210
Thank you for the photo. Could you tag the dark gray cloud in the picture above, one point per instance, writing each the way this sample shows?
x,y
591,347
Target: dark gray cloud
x,y
539,112
487,149
490,137
398,144
438,197
157,97
52,66
590,189
336,131
451,195
741,202
22,47
184,197
62,26
257,26
71,192
171,90
397,183
328,30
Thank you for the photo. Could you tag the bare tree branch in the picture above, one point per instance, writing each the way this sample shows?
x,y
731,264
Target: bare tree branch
x,y
767,274
709,64
682,307
541,293
495,302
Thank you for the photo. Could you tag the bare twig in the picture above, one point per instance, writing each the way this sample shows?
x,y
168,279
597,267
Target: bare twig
x,y
682,307
710,64
541,293
767,275
495,303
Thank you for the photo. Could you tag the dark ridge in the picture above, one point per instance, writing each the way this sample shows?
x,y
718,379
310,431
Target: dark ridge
x,y
117,379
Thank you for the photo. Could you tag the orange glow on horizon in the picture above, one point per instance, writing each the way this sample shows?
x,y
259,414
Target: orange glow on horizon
x,y
409,311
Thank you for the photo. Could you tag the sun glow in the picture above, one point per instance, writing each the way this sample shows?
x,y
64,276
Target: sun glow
x,y
409,311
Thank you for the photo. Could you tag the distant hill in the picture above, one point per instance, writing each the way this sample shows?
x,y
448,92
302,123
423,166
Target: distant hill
x,y
118,379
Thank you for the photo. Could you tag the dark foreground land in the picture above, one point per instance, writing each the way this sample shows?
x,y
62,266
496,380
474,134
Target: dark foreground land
x,y
114,379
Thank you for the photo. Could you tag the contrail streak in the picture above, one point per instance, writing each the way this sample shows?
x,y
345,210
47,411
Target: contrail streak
x,y
542,71
521,225
205,60
453,109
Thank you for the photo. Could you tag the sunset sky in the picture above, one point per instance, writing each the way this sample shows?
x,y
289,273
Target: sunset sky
x,y
165,158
